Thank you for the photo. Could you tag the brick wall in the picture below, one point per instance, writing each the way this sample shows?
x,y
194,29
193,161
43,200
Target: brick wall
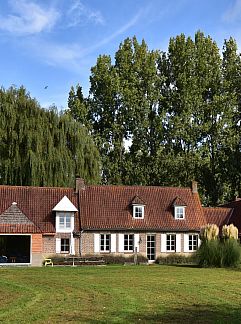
x,y
49,243
87,243
37,245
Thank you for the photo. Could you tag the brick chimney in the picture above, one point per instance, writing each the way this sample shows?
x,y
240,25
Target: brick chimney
x,y
79,184
194,187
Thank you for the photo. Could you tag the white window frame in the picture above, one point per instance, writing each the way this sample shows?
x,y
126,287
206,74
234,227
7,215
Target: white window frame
x,y
191,236
169,238
64,244
179,212
103,237
138,209
129,238
64,222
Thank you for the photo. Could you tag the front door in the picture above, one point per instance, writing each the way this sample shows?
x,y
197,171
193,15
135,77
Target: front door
x,y
151,247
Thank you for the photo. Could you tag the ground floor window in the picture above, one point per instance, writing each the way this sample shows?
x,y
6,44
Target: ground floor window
x,y
193,242
105,242
171,242
128,242
64,245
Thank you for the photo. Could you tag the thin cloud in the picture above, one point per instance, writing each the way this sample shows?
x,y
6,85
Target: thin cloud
x,y
80,14
118,32
72,56
234,12
28,18
55,54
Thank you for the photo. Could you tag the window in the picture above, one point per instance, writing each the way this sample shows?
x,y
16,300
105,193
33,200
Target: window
x,y
105,242
64,245
129,242
180,212
64,221
138,211
193,242
171,242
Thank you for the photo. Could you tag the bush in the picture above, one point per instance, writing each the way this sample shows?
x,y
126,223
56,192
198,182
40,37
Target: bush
x,y
209,254
175,258
121,259
216,253
230,253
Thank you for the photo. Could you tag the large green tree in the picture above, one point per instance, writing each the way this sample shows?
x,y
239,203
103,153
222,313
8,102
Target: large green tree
x,y
42,147
179,111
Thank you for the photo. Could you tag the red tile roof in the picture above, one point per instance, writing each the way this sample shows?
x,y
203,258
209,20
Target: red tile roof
x,y
178,202
137,201
37,204
109,207
235,218
219,216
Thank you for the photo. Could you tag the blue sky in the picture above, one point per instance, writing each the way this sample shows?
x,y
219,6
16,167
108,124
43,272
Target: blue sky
x,y
54,43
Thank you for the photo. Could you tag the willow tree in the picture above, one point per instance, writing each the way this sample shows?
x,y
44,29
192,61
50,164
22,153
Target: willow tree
x,y
40,147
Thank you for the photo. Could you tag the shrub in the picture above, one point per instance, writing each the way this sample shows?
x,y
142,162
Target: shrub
x,y
121,259
209,232
230,253
230,231
216,253
175,258
209,253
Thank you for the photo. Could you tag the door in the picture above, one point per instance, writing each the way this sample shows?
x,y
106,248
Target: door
x,y
151,247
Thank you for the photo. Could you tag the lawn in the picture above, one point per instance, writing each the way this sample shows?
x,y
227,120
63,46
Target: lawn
x,y
120,294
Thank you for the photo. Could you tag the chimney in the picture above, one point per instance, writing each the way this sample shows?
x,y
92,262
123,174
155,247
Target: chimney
x,y
194,187
79,184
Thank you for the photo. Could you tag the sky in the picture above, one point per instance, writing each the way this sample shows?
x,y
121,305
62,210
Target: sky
x,y
47,46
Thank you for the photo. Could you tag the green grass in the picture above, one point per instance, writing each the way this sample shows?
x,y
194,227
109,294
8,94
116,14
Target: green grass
x,y
120,294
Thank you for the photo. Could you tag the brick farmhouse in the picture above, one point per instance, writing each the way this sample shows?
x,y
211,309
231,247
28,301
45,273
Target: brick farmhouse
x,y
38,222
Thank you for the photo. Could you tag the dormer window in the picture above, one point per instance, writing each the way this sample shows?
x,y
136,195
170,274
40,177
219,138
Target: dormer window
x,y
138,211
179,208
138,206
64,219
179,212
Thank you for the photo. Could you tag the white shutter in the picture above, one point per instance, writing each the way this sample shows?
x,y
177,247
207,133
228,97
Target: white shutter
x,y
113,243
186,242
121,242
136,241
199,241
96,243
58,245
178,243
163,242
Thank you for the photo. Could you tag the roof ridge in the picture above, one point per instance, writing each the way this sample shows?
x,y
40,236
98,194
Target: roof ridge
x,y
35,187
218,208
136,186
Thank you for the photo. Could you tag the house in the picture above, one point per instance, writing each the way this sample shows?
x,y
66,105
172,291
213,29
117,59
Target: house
x,y
36,222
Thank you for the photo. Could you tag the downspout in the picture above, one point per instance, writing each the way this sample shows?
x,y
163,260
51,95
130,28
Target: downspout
x,y
78,202
79,185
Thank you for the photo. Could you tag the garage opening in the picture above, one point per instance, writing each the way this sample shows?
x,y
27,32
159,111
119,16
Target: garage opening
x,y
15,248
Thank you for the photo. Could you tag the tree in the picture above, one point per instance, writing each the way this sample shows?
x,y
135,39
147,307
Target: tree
x,y
179,111
40,147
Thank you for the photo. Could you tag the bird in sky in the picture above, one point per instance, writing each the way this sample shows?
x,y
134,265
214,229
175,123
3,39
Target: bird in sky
x,y
46,87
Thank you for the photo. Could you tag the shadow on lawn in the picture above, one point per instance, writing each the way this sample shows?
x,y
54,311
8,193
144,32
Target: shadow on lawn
x,y
195,313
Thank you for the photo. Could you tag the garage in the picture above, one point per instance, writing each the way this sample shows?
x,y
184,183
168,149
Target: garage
x,y
15,249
